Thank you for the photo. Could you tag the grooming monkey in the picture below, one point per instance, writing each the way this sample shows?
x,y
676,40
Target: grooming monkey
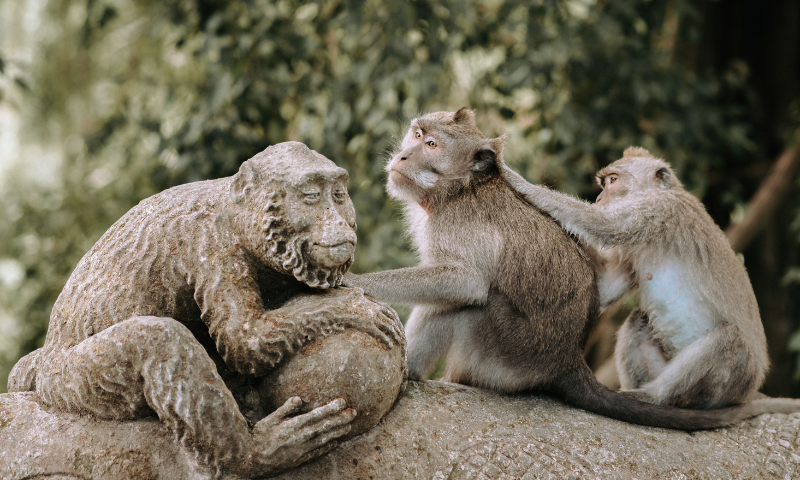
x,y
500,288
697,340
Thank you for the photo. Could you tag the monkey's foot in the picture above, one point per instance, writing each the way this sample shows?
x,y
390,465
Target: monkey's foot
x,y
281,441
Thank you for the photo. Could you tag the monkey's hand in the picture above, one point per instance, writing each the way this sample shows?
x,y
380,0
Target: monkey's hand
x,y
515,179
370,316
281,441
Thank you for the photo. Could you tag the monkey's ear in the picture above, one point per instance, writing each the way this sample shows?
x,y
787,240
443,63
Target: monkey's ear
x,y
664,177
244,180
484,159
464,115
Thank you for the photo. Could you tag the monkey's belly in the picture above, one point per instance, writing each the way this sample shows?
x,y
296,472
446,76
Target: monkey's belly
x,y
351,365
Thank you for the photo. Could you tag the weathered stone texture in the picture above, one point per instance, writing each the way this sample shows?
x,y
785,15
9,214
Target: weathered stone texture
x,y
435,431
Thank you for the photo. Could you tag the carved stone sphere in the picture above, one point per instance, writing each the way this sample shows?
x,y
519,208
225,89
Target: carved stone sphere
x,y
352,365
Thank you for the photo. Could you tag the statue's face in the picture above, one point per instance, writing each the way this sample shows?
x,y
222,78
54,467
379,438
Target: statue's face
x,y
318,207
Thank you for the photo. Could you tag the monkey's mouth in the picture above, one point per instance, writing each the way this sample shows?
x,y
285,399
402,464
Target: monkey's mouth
x,y
398,177
332,255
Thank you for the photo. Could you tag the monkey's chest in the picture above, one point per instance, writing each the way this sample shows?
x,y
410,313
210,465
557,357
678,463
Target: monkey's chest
x,y
677,312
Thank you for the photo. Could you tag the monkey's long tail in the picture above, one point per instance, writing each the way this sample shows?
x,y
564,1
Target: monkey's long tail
x,y
581,389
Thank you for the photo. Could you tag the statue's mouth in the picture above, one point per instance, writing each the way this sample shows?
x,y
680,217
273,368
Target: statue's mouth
x,y
332,255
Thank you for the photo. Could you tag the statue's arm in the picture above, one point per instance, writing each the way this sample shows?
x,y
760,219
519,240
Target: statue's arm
x,y
252,340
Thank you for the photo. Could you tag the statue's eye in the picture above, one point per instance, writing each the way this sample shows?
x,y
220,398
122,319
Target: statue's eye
x,y
339,195
311,197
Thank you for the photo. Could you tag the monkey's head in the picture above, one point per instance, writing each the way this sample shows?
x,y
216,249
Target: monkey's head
x,y
295,215
441,153
638,170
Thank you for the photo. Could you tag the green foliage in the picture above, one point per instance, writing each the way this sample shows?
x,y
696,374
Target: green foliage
x,y
143,95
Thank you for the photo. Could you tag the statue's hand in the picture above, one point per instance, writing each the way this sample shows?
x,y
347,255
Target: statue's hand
x,y
281,441
371,316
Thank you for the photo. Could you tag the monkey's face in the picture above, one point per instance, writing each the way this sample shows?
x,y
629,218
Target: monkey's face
x,y
634,173
439,154
419,166
614,183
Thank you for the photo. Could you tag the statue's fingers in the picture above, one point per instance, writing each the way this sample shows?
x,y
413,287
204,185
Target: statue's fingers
x,y
378,333
389,312
326,446
323,427
320,413
288,408
391,329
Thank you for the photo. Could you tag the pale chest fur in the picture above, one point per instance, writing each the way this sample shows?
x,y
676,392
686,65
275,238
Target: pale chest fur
x,y
678,313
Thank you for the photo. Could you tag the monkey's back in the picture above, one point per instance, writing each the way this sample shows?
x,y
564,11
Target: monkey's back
x,y
543,300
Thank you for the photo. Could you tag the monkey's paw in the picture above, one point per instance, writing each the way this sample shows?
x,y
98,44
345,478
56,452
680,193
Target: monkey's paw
x,y
281,441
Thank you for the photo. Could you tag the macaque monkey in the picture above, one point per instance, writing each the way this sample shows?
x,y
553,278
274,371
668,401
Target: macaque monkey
x,y
505,293
696,340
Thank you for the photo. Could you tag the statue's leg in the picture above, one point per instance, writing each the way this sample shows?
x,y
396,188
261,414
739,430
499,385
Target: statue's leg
x,y
147,364
23,376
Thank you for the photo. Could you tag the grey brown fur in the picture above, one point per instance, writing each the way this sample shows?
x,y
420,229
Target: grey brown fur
x,y
186,292
697,339
505,293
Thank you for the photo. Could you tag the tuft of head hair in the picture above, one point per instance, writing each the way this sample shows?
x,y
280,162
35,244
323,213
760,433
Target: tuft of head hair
x,y
460,124
636,152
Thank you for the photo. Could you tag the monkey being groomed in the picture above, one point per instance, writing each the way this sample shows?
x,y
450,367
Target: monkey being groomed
x,y
505,293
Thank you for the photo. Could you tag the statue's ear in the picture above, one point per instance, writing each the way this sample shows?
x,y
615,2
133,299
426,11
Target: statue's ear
x,y
245,179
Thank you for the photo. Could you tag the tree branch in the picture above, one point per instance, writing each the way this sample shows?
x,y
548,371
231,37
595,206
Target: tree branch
x,y
770,194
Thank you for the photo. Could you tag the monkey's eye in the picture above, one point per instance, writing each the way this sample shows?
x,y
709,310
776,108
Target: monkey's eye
x,y
612,179
431,143
418,134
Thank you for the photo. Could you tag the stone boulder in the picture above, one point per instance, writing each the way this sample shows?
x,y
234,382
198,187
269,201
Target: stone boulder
x,y
435,431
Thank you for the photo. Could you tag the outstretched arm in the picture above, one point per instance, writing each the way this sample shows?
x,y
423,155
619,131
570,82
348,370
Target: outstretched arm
x,y
591,222
424,285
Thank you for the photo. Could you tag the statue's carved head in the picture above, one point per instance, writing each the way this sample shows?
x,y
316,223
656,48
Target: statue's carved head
x,y
296,213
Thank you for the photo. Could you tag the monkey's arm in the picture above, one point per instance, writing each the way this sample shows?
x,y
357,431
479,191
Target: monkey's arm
x,y
599,227
614,275
430,284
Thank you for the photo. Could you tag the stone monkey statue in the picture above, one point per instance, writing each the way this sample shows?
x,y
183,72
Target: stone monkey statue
x,y
192,281
500,289
697,340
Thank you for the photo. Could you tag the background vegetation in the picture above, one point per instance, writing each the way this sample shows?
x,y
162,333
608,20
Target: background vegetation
x,y
105,102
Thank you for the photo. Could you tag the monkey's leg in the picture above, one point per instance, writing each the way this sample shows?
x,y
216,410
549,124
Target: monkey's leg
x,y
149,363
429,333
639,357
713,371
